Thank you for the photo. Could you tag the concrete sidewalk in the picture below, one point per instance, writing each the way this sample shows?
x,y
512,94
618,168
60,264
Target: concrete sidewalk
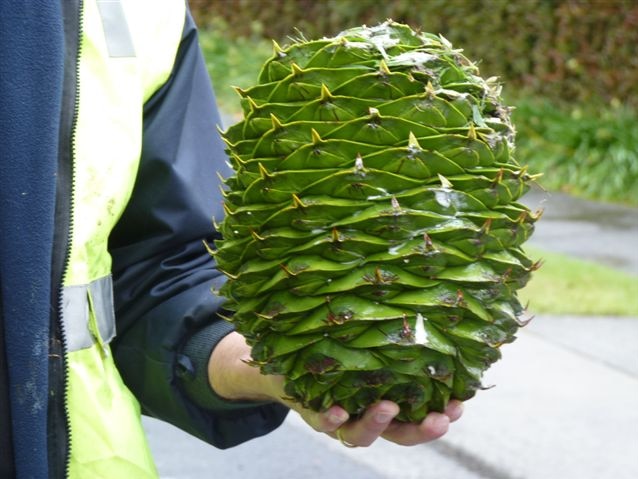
x,y
565,406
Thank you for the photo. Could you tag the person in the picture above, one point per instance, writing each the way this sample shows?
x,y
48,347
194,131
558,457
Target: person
x,y
107,189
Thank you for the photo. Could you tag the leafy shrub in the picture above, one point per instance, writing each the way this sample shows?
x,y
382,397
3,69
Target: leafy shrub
x,y
565,50
585,151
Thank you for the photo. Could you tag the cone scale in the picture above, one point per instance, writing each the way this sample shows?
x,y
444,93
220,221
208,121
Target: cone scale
x,y
372,237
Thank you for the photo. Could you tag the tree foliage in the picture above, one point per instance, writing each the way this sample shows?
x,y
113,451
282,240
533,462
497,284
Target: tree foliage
x,y
565,50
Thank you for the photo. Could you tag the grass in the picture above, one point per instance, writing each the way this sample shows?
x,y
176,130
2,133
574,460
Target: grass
x,y
565,285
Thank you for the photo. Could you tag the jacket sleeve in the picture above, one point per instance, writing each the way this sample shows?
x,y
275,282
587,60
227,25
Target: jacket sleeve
x,y
164,279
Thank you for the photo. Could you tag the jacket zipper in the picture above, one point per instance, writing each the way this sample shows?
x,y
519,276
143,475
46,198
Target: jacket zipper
x,y
58,422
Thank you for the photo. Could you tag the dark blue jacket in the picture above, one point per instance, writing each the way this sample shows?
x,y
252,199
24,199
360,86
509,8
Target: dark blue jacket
x,y
166,312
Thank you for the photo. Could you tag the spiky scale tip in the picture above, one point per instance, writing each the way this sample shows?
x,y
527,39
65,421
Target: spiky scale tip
x,y
296,70
255,235
326,96
222,191
252,104
297,203
316,137
220,177
486,227
429,90
276,124
445,183
277,50
227,210
522,218
413,143
287,270
211,251
240,91
383,68
429,245
471,132
263,172
351,300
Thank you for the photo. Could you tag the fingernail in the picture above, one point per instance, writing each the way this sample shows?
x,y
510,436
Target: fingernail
x,y
383,417
337,418
438,421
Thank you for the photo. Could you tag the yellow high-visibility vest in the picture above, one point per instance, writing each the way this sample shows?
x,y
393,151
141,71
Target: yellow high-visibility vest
x,y
127,51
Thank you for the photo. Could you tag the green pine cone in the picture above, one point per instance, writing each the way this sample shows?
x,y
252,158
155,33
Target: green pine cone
x,y
373,236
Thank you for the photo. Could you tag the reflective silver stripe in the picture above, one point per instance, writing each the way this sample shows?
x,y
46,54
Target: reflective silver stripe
x,y
83,329
116,32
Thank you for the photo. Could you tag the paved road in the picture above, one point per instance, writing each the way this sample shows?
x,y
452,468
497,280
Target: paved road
x,y
564,405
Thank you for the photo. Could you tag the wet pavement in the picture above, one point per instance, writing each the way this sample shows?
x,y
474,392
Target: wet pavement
x,y
564,405
600,232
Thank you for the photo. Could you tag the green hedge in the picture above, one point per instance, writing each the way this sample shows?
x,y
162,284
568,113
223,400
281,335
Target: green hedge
x,y
563,50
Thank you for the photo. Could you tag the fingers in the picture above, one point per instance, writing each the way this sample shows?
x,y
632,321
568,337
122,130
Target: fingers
x,y
377,422
433,427
328,421
371,426
454,410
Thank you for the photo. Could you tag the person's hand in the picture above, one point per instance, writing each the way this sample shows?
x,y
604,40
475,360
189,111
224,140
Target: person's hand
x,y
377,422
232,378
